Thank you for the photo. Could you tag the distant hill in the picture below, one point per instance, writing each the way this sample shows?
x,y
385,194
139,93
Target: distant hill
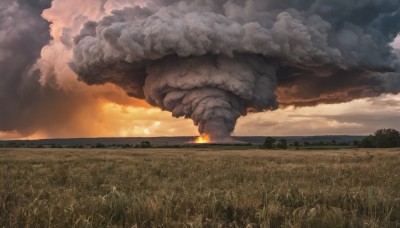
x,y
162,141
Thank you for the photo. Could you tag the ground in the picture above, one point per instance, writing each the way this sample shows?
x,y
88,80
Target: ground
x,y
199,187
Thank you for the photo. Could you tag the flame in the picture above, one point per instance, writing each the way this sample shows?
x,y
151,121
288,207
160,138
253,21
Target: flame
x,y
203,139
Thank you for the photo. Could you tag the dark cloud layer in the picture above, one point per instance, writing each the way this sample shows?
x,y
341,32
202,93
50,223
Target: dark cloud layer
x,y
23,33
27,106
213,61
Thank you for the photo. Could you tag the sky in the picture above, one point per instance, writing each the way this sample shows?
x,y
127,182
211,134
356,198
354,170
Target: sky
x,y
58,80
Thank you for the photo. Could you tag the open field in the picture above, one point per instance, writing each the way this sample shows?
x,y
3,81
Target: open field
x,y
199,188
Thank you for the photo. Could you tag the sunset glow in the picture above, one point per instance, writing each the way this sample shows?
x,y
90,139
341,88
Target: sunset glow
x,y
43,96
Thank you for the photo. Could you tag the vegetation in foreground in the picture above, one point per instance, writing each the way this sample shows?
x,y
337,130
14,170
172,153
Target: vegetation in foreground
x,y
199,188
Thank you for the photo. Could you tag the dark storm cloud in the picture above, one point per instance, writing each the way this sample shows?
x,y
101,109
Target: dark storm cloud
x,y
26,105
213,61
341,86
22,35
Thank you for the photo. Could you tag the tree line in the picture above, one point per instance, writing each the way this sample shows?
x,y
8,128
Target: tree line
x,y
383,138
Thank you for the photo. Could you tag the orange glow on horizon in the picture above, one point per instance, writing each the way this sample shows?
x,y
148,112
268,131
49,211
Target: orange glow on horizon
x,y
115,115
203,138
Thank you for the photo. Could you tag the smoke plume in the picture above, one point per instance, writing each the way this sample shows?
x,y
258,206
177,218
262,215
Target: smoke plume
x,y
214,61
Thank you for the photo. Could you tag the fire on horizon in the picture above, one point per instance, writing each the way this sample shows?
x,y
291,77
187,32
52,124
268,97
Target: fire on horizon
x,y
104,68
202,139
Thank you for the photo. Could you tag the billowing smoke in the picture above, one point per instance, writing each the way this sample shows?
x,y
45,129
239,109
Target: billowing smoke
x,y
214,91
214,61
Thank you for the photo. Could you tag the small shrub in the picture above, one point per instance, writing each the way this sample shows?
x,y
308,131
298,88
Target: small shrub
x,y
144,144
100,145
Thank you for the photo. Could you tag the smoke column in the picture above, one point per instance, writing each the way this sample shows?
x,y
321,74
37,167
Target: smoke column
x,y
214,61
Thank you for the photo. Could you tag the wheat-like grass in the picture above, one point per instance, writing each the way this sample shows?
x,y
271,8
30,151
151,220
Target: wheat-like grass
x,y
199,188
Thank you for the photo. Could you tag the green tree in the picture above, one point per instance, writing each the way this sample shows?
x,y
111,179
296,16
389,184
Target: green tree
x,y
387,138
269,143
282,144
368,142
383,138
144,144
126,146
100,145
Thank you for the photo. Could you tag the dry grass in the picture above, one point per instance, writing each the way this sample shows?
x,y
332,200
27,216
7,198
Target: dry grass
x,y
199,188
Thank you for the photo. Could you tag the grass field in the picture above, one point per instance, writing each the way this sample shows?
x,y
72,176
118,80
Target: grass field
x,y
199,188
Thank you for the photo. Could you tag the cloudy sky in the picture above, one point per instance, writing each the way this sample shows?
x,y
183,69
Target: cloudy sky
x,y
57,78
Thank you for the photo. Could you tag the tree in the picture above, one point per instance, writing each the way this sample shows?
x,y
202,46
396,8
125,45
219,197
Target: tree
x,y
387,138
383,138
368,142
269,143
100,145
282,144
126,146
144,144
